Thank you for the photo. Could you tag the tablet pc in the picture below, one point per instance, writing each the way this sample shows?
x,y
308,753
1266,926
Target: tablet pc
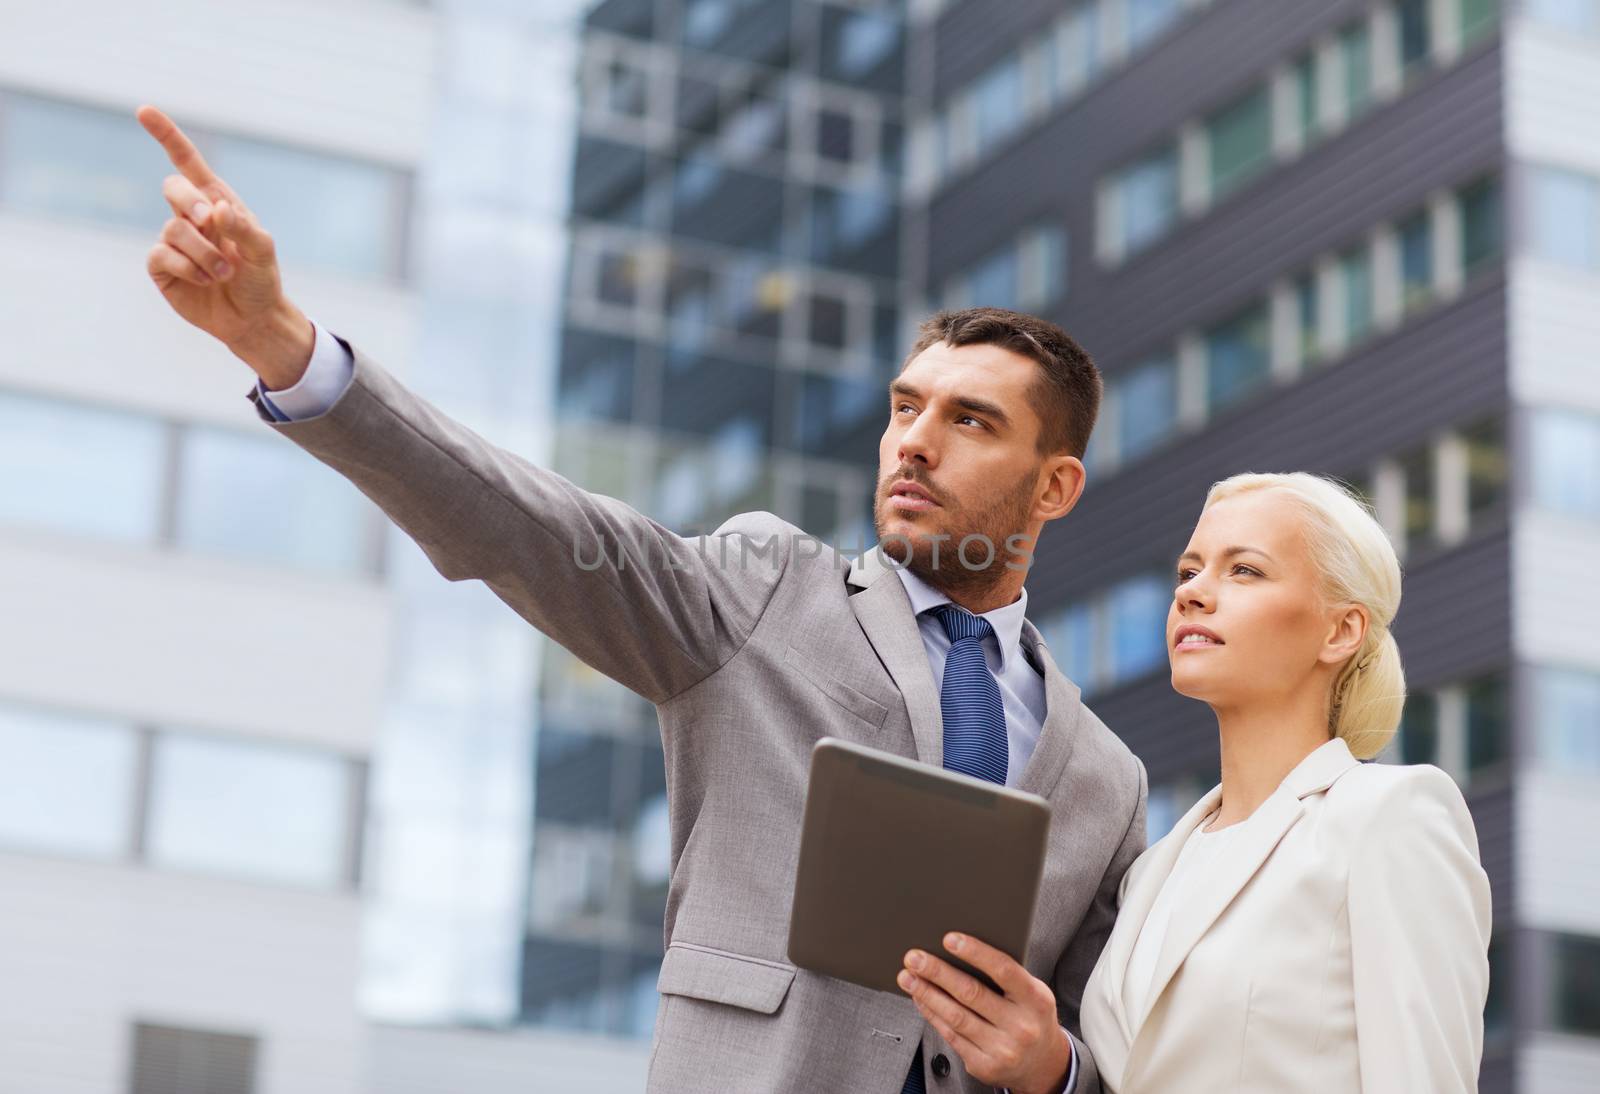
x,y
894,854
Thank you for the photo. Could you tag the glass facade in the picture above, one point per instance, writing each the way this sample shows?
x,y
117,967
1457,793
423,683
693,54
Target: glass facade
x,y
732,317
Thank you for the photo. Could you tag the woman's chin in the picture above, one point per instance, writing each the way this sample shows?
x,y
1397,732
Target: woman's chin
x,y
1194,684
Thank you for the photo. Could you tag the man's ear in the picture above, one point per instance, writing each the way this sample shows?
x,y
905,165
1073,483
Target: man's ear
x,y
1063,479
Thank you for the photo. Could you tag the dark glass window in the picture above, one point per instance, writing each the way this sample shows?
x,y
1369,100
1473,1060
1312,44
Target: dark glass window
x,y
1487,718
1480,224
1238,358
1575,968
1419,729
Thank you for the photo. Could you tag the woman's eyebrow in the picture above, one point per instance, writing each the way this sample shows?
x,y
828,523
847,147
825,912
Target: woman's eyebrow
x,y
1229,553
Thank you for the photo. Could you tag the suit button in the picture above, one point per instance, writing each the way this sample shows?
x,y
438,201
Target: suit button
x,y
941,1066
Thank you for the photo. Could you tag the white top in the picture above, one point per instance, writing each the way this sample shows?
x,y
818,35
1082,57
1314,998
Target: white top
x,y
1193,862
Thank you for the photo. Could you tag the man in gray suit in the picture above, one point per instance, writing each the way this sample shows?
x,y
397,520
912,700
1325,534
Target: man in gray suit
x,y
755,642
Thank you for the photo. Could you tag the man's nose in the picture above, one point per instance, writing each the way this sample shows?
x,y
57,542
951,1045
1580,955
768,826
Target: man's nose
x,y
919,442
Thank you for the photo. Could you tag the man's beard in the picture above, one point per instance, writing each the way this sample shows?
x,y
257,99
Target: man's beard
x,y
978,568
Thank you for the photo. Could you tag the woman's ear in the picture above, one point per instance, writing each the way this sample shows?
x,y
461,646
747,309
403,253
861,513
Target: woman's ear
x,y
1347,630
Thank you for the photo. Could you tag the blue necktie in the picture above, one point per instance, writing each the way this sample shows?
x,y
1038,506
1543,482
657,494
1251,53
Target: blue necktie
x,y
974,726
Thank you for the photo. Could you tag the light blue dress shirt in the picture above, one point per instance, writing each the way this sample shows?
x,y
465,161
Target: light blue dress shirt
x,y
1021,687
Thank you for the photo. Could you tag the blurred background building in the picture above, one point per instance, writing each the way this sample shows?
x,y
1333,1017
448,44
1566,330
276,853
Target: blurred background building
x,y
280,809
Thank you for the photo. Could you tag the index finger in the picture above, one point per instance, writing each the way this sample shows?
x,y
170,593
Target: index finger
x,y
180,149
998,965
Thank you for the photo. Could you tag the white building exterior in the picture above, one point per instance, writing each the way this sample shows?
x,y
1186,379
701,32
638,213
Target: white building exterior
x,y
198,650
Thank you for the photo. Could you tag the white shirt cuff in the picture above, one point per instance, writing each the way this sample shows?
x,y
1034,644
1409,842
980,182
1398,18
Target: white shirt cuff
x,y
1072,1069
325,379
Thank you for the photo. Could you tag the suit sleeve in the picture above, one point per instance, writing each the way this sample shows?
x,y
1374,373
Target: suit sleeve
x,y
656,611
1072,971
1419,935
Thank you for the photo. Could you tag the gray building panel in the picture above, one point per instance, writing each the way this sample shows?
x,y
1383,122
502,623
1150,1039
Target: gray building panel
x,y
1444,132
1440,370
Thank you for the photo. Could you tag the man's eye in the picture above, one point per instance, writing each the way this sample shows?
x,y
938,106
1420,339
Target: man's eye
x,y
969,418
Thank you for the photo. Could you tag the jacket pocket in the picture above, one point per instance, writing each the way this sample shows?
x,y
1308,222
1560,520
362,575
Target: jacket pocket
x,y
719,976
859,703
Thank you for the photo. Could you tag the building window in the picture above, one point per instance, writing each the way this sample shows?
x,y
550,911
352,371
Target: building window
x,y
1416,34
1355,276
1146,200
66,783
1147,407
1077,48
865,39
571,878
1308,312
1566,462
1042,259
1355,61
63,160
993,282
1240,139
313,518
1416,260
1480,224
1488,723
1478,17
1564,217
997,103
242,809
1148,18
1575,970
1487,468
1071,638
1566,717
1579,15
1138,614
80,469
1238,358
1419,729
1421,493
1306,108
325,211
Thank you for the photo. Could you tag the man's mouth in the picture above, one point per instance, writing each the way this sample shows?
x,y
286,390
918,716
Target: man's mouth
x,y
907,495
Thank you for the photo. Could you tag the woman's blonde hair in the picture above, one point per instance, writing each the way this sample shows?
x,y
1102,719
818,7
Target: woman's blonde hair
x,y
1351,551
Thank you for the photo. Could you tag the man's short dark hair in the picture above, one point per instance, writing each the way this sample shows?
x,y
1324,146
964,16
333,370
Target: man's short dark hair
x,y
1067,391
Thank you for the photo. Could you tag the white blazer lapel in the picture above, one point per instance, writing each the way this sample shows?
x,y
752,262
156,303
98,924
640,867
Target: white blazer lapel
x,y
1146,877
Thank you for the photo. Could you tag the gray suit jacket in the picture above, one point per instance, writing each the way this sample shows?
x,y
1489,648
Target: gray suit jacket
x,y
751,649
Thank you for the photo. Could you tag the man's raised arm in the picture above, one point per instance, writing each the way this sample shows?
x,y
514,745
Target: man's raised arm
x,y
641,604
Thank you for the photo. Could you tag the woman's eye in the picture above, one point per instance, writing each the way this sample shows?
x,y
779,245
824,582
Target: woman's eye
x,y
1184,575
1247,569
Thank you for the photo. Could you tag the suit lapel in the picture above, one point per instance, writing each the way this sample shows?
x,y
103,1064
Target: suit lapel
x,y
884,611
1061,709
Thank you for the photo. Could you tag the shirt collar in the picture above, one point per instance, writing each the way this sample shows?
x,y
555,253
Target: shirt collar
x,y
1006,621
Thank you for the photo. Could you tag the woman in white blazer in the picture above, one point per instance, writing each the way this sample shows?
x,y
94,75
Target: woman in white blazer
x,y
1314,923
